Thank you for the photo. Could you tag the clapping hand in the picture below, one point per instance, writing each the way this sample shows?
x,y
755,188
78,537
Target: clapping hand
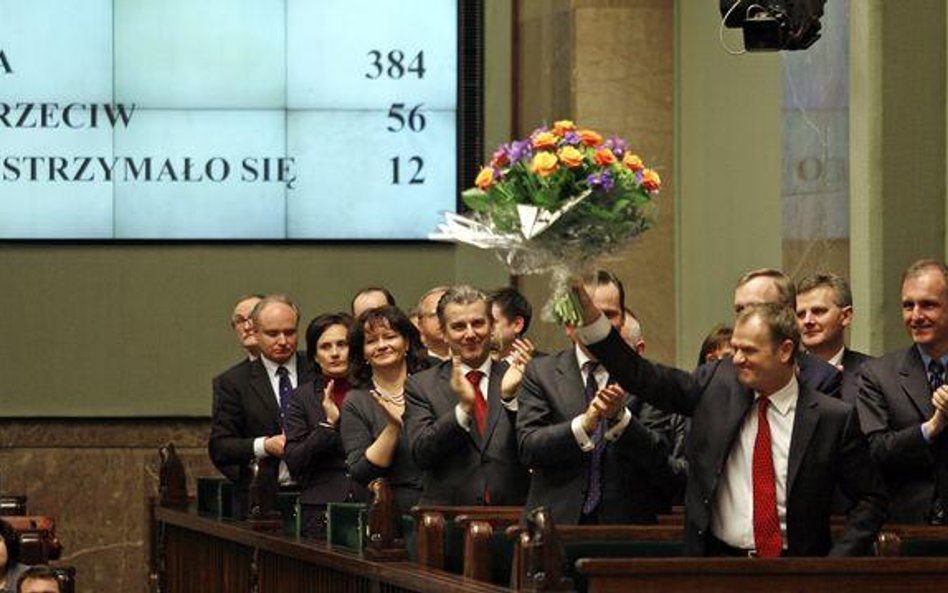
x,y
394,408
522,354
329,405
940,418
605,406
460,385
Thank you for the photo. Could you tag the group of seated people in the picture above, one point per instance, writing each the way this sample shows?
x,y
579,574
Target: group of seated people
x,y
16,577
779,427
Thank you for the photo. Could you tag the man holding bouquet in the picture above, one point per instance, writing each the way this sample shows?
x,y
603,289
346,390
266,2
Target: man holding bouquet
x,y
766,451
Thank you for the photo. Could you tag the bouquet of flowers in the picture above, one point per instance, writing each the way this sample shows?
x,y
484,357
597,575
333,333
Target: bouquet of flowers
x,y
555,201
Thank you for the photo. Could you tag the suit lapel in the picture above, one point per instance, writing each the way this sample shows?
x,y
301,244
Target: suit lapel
x,y
260,384
914,381
494,406
805,419
570,383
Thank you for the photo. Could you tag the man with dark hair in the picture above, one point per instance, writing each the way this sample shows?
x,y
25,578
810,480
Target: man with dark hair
x,y
511,313
38,579
903,403
370,297
768,285
824,311
766,451
596,454
251,399
459,415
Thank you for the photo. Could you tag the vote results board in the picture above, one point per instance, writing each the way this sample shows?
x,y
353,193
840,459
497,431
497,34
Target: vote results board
x,y
227,119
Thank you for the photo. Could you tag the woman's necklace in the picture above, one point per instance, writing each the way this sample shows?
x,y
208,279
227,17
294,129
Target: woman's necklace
x,y
397,398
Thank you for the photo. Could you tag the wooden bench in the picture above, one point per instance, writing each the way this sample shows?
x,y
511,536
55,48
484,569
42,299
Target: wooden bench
x,y
543,558
12,505
438,542
912,540
780,575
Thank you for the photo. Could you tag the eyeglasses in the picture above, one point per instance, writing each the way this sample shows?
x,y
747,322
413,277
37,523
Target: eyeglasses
x,y
239,320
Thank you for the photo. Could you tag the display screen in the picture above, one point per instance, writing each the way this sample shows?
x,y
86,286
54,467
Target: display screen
x,y
227,119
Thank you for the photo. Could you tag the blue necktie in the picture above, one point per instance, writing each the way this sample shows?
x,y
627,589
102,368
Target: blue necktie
x,y
286,388
594,490
936,374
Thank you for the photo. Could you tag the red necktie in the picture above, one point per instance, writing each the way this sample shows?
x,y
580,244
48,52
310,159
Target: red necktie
x,y
766,522
480,404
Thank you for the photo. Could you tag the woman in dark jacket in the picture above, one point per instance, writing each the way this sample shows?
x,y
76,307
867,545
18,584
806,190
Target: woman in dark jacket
x,y
384,349
314,453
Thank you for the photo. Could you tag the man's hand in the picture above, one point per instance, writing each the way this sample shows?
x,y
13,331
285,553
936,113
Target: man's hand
x,y
329,405
521,355
936,424
274,445
590,311
605,406
461,386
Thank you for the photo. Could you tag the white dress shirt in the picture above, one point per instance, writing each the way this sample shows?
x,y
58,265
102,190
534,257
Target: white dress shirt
x,y
732,516
271,367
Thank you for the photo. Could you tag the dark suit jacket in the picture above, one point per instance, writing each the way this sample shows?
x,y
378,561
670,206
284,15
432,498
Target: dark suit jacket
x,y
246,408
635,466
819,375
852,361
230,471
361,424
458,465
894,401
826,449
314,453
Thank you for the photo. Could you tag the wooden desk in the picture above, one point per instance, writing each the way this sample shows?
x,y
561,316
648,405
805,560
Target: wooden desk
x,y
782,575
202,554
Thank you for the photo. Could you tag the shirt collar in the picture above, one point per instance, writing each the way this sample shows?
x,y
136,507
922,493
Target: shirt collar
x,y
785,398
926,359
837,359
581,357
273,366
484,368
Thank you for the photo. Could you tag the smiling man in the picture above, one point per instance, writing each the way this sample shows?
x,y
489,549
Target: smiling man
x,y
903,403
460,415
766,451
824,311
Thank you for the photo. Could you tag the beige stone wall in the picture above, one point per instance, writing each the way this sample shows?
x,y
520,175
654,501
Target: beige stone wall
x,y
95,478
609,65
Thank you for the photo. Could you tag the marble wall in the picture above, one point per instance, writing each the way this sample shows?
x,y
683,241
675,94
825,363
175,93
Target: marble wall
x,y
95,477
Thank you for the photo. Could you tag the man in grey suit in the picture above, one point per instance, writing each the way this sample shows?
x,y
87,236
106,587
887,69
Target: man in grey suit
x,y
766,451
247,422
459,415
596,454
903,404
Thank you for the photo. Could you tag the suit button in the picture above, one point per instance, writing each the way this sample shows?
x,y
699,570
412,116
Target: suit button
x,y
701,532
706,501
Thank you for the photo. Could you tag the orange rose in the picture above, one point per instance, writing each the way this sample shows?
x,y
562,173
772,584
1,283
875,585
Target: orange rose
x,y
604,157
570,157
544,164
544,140
650,180
590,138
485,178
500,158
561,127
633,162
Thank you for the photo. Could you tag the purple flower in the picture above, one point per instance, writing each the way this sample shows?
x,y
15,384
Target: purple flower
x,y
603,181
519,149
617,145
571,137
